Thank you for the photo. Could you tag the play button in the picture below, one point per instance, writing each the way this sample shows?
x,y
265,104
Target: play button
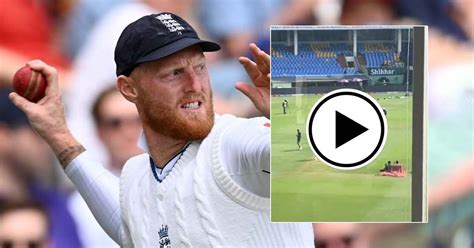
x,y
346,129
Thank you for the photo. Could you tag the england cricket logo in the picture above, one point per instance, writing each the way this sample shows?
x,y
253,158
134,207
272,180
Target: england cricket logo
x,y
170,23
164,239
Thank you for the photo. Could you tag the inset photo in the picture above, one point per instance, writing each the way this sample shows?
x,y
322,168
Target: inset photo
x,y
348,124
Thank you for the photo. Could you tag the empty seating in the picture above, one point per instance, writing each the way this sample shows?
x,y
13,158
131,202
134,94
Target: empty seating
x,y
312,59
379,54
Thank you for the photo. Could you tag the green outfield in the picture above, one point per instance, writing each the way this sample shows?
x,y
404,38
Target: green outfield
x,y
305,189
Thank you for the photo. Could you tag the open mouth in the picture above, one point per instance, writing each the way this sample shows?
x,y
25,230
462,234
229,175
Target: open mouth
x,y
191,105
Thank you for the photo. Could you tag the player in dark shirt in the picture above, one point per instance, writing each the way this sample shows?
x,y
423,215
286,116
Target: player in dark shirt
x,y
284,105
298,139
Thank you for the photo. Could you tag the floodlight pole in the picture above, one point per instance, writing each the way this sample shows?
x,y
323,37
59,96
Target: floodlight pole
x,y
408,61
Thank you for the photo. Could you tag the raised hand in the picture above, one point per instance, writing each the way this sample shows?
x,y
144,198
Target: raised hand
x,y
259,73
47,117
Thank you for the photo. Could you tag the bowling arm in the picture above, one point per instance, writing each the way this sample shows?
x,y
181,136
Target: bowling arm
x,y
100,190
98,187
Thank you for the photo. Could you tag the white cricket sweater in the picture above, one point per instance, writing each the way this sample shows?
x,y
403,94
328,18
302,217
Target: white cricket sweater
x,y
199,205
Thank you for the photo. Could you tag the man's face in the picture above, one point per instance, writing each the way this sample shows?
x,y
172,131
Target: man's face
x,y
23,228
119,127
175,98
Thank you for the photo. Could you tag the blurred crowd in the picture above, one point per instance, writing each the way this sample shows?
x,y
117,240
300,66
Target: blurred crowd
x,y
38,205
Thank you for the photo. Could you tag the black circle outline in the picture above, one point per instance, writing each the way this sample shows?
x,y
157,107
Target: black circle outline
x,y
310,132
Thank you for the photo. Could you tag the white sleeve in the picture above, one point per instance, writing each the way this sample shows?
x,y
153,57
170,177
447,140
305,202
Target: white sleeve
x,y
100,190
245,153
126,238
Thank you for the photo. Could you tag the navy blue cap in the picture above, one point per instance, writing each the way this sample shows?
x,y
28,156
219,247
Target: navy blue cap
x,y
153,37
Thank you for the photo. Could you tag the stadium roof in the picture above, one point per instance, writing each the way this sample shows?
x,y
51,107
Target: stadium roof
x,y
340,27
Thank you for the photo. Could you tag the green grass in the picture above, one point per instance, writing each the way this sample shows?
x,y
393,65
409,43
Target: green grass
x,y
305,189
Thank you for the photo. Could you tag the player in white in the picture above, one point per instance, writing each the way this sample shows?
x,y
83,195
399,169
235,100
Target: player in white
x,y
203,181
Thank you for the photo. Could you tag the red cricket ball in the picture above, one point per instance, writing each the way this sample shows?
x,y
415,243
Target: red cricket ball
x,y
29,84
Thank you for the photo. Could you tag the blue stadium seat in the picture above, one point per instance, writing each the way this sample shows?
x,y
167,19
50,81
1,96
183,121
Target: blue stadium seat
x,y
316,59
